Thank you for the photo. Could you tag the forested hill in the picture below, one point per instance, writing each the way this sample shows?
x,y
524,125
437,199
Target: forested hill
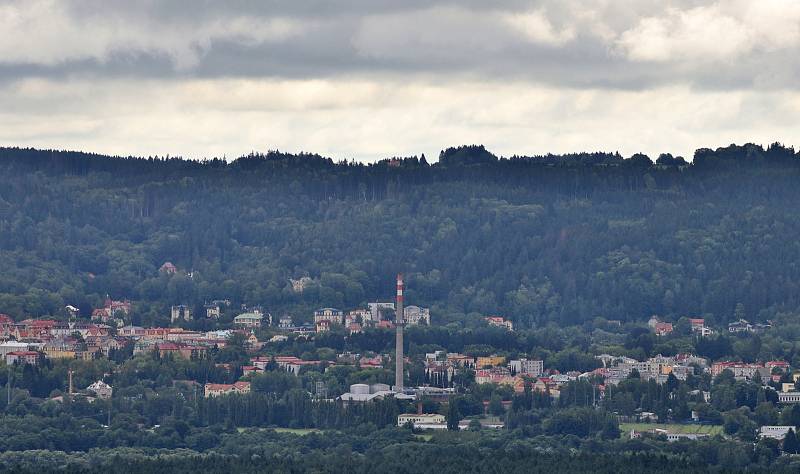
x,y
538,239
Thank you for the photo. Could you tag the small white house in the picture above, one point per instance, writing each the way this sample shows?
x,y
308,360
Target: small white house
x,y
774,432
101,389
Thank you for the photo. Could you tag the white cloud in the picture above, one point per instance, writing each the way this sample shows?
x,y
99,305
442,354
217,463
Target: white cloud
x,y
703,33
369,120
721,31
535,26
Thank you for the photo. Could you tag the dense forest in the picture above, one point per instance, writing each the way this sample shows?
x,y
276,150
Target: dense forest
x,y
538,239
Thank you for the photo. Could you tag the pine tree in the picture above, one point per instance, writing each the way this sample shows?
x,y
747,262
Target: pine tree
x,y
790,443
453,415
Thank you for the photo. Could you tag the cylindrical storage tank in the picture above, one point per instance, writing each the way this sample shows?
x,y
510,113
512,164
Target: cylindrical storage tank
x,y
359,388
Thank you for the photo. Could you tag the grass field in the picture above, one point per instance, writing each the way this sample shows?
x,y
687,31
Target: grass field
x,y
297,431
710,430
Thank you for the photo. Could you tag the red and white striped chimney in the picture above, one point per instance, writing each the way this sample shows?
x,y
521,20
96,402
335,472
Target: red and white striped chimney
x,y
399,322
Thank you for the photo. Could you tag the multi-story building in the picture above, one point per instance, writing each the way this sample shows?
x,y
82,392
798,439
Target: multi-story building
x,y
251,319
332,315
358,316
213,311
180,313
379,310
740,370
421,420
22,357
285,322
415,315
534,368
789,397
489,361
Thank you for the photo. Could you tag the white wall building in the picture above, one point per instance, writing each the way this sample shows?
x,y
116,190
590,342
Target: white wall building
x,y
420,419
415,315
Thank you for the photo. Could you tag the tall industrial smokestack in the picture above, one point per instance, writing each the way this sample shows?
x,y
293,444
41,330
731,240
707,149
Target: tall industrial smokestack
x,y
399,323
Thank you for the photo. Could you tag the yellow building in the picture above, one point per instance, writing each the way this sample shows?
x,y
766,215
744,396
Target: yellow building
x,y
490,361
59,353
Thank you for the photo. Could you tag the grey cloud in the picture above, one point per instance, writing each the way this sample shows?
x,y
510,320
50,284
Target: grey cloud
x,y
441,39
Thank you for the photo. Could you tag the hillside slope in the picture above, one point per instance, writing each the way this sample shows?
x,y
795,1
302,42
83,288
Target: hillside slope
x,y
554,238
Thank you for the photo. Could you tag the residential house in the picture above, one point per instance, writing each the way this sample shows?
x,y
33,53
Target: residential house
x,y
249,320
168,268
101,390
248,370
285,322
774,432
323,325
499,321
299,285
358,316
662,329
213,311
217,389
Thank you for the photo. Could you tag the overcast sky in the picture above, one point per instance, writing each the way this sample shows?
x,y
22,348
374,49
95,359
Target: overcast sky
x,y
375,78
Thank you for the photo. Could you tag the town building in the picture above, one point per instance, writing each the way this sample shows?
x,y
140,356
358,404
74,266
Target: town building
x,y
22,357
101,390
774,432
741,370
500,321
168,268
743,325
415,315
788,397
662,329
422,421
299,285
489,361
358,316
249,320
13,346
332,315
213,311
379,311
360,392
180,313
218,389
131,331
699,327
533,368
285,322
